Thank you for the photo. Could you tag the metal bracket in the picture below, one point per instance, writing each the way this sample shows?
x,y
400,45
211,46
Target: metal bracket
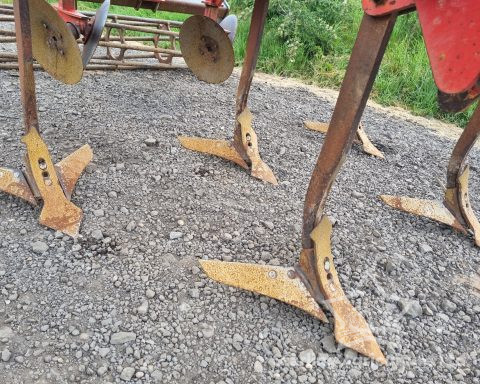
x,y
361,139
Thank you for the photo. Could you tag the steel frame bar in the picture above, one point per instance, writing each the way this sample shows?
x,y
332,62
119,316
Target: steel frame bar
x,y
362,69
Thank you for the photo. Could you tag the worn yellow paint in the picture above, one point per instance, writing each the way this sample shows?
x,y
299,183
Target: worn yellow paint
x,y
57,212
53,45
351,329
258,167
279,283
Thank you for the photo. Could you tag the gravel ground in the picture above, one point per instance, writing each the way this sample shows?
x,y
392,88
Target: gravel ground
x,y
126,301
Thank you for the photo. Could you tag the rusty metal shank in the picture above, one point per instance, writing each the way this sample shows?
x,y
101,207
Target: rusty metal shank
x,y
366,57
257,24
464,144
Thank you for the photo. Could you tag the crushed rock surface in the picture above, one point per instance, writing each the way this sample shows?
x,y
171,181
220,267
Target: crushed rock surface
x,y
127,302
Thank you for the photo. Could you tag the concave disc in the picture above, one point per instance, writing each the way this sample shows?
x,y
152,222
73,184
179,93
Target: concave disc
x,y
53,45
96,33
206,49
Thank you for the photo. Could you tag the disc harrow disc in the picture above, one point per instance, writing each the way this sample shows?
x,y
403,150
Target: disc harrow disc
x,y
206,49
96,33
53,45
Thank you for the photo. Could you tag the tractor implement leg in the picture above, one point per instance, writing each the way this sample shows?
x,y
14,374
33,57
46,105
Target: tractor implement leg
x,y
243,150
314,280
361,139
42,179
455,210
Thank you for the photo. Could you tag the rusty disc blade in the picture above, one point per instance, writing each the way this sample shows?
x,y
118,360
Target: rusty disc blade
x,y
206,49
54,46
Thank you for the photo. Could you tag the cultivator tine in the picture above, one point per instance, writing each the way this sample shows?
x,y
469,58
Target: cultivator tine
x,y
431,209
316,126
41,180
362,137
14,183
456,209
351,329
367,145
279,283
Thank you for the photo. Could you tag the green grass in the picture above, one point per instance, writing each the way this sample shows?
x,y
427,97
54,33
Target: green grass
x,y
404,80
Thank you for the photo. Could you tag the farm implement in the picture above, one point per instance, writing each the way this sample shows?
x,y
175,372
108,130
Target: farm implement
x,y
131,42
51,37
451,31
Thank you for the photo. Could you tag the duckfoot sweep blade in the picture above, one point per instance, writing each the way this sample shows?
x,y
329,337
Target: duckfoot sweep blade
x,y
279,283
51,184
362,137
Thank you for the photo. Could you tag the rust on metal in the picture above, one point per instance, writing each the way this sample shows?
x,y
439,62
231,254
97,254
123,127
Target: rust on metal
x,y
279,283
54,46
363,66
259,169
220,148
41,179
351,329
206,49
71,168
57,211
456,210
432,209
466,207
13,182
227,150
244,148
316,126
362,138
367,145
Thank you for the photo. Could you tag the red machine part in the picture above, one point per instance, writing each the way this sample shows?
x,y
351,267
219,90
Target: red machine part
x,y
451,30
385,7
67,9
